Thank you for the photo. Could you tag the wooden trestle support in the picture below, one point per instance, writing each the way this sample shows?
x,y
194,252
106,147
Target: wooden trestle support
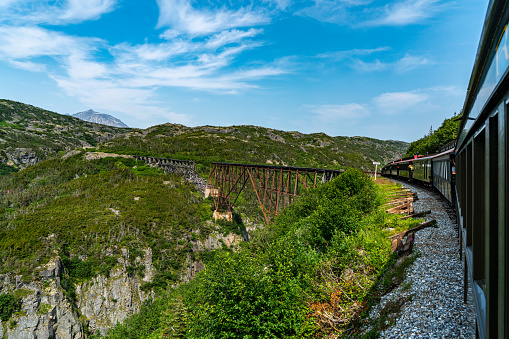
x,y
275,186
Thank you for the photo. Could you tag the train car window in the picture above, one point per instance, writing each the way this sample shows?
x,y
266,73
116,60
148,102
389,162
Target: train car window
x,y
491,222
468,194
478,199
478,226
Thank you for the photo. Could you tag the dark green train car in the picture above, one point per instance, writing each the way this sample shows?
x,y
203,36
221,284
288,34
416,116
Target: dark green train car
x,y
482,177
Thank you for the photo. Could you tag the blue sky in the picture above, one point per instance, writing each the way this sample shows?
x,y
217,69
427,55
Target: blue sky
x,y
383,69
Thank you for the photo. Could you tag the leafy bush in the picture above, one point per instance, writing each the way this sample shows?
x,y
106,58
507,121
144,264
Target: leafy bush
x,y
8,305
239,296
78,269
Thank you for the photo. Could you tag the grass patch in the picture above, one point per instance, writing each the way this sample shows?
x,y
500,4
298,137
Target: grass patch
x,y
44,308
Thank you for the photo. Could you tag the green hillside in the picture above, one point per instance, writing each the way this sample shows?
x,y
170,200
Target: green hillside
x,y
256,145
29,134
75,206
326,257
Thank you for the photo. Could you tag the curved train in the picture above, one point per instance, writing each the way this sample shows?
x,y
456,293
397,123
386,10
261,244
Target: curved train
x,y
478,190
436,170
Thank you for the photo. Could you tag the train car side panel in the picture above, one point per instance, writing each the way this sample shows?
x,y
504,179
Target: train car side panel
x,y
482,166
422,170
442,175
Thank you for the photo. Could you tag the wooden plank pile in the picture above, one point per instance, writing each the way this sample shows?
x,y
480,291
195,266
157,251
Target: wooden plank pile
x,y
401,202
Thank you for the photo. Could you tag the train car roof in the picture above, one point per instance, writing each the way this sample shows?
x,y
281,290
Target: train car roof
x,y
422,157
485,83
436,155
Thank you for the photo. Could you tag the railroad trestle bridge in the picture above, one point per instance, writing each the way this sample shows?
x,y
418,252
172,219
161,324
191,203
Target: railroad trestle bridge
x,y
275,186
180,167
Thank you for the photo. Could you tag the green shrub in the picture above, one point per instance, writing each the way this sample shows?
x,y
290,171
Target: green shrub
x,y
8,305
238,296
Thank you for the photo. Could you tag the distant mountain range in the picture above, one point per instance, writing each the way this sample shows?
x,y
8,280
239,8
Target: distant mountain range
x,y
29,134
100,118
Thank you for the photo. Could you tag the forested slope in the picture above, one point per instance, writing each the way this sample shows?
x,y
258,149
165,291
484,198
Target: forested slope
x,y
432,142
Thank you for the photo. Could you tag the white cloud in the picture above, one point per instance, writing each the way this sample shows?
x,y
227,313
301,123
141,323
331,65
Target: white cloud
x,y
342,55
409,62
79,68
399,102
153,52
326,11
407,12
280,4
28,66
6,3
360,13
229,37
405,64
79,10
335,113
128,82
126,78
184,19
390,103
366,67
24,12
20,44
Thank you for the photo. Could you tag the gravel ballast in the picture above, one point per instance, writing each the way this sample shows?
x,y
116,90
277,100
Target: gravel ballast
x,y
435,308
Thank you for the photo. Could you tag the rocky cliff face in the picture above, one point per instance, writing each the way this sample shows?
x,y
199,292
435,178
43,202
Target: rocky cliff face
x,y
45,311
105,301
20,157
101,302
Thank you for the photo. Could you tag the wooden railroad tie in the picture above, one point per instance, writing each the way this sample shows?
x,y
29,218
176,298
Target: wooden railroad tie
x,y
404,195
406,248
405,207
401,201
415,215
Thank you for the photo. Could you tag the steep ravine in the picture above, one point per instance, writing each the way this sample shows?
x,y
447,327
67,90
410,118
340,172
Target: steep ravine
x,y
101,302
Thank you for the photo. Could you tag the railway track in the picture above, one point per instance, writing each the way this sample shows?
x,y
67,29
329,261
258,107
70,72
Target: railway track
x,y
432,291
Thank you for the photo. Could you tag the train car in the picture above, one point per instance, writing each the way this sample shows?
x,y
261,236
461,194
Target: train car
x,y
482,177
431,170
422,170
405,169
402,168
443,174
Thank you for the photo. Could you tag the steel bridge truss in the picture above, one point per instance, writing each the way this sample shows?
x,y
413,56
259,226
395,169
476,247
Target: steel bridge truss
x,y
179,167
275,186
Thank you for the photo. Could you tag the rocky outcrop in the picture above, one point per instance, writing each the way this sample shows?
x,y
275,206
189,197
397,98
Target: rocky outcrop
x,y
105,301
20,157
213,242
101,302
45,312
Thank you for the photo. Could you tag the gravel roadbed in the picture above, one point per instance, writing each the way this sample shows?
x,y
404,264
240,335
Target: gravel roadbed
x,y
435,308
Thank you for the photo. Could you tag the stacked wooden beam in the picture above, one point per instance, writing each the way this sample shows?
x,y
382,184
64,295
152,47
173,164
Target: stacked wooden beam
x,y
401,201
